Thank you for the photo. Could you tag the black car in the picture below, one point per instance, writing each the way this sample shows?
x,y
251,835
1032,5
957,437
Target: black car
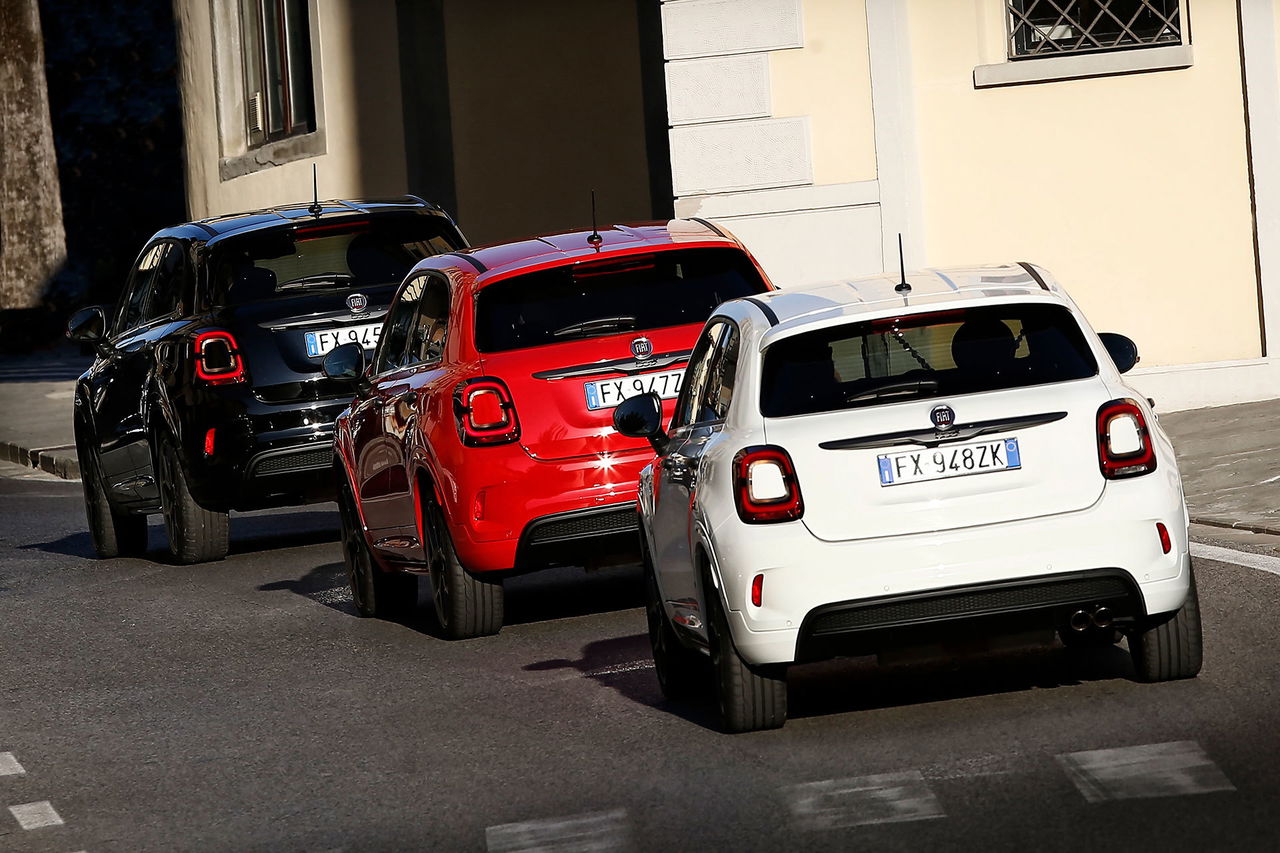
x,y
207,394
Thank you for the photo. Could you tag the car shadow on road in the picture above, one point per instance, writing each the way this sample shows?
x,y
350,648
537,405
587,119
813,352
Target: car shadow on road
x,y
859,684
564,593
326,584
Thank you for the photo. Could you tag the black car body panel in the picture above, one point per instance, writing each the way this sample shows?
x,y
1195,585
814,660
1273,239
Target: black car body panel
x,y
271,440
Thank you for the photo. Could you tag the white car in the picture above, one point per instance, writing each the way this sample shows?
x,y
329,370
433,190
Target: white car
x,y
866,466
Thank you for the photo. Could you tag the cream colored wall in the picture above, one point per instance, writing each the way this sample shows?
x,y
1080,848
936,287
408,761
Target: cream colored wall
x,y
1133,190
830,81
360,116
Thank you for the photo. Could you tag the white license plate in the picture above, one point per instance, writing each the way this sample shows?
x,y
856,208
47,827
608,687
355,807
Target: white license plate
x,y
607,393
320,343
952,460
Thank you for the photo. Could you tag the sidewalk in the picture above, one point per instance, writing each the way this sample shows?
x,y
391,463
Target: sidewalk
x,y
1229,456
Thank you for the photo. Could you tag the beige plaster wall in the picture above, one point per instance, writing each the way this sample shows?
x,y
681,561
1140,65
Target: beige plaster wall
x,y
360,114
1133,190
830,81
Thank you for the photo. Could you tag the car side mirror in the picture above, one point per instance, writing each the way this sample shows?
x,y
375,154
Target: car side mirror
x,y
641,417
1123,351
88,325
344,362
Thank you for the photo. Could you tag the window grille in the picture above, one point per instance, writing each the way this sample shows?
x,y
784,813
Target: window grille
x,y
1055,27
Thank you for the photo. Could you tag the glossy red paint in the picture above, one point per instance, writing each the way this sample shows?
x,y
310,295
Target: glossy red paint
x,y
418,433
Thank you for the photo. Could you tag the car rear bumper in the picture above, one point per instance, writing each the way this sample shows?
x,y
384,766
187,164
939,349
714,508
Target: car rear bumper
x,y
860,597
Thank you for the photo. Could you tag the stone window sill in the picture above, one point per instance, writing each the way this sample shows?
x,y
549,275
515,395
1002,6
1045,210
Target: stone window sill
x,y
1054,68
275,153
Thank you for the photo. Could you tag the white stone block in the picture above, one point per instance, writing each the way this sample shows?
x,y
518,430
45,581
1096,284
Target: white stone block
x,y
718,89
740,155
717,27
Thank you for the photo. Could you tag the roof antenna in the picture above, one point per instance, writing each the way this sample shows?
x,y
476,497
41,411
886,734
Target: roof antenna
x,y
902,287
594,237
315,209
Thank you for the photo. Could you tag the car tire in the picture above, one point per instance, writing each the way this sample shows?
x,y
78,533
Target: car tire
x,y
1171,647
749,698
114,533
374,592
682,672
467,605
196,534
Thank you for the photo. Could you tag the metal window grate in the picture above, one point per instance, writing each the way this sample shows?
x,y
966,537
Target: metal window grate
x,y
1054,27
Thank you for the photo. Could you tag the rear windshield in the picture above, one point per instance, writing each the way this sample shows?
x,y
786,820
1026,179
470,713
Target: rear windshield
x,y
326,256
923,355
634,293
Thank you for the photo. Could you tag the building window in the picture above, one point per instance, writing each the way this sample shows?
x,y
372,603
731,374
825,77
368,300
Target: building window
x,y
279,97
1055,27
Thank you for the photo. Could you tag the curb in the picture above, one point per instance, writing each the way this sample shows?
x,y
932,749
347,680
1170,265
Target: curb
x,y
1225,524
60,461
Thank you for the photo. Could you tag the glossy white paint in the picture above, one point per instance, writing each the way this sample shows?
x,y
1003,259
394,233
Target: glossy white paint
x,y
857,540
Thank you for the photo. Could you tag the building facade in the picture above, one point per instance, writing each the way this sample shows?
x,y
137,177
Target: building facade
x,y
1132,147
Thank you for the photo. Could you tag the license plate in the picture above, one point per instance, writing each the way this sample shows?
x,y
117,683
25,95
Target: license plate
x,y
320,343
607,393
956,460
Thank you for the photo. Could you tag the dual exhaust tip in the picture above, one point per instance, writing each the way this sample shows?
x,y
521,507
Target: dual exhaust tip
x,y
1100,617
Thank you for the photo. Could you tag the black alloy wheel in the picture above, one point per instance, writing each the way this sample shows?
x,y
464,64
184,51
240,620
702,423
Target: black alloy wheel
x,y
114,533
467,605
374,592
196,534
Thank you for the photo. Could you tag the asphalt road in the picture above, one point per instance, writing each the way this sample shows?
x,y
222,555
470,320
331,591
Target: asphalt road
x,y
243,706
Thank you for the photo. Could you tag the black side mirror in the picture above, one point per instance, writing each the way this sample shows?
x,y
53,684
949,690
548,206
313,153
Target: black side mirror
x,y
1123,351
344,362
641,417
88,325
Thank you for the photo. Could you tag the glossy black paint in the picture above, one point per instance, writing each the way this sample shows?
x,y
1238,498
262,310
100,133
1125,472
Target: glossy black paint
x,y
641,417
346,362
273,433
88,325
1123,351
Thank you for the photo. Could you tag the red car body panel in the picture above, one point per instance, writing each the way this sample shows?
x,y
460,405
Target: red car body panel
x,y
401,437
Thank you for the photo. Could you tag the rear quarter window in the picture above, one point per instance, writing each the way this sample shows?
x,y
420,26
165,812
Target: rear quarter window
x,y
988,348
617,294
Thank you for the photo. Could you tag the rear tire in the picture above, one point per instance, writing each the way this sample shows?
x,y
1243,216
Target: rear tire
x,y
1172,648
682,672
750,698
114,533
196,534
467,605
375,592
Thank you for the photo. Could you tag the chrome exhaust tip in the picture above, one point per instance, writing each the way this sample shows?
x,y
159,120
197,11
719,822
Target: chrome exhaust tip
x,y
1080,621
1103,617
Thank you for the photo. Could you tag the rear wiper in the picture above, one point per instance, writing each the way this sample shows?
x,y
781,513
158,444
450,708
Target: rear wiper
x,y
894,389
600,324
332,278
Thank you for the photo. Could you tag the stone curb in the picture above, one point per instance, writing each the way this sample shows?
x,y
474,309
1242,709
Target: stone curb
x,y
1227,524
59,461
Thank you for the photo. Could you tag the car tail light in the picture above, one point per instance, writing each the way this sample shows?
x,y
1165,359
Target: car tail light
x,y
1124,443
757,590
210,438
485,413
1166,544
765,486
218,359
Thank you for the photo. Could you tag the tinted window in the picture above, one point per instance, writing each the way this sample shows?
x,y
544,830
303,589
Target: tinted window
x,y
325,256
724,367
138,291
632,293
696,376
168,286
393,344
924,355
426,343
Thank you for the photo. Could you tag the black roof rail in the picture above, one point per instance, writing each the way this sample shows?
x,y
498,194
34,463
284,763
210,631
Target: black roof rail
x,y
1031,271
475,262
704,223
764,308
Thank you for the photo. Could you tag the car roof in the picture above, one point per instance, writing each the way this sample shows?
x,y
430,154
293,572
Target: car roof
x,y
216,228
498,260
832,302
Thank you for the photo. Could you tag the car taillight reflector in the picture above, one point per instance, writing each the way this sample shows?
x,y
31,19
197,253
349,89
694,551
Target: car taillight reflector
x,y
1166,544
757,590
218,359
1125,448
485,413
209,438
765,486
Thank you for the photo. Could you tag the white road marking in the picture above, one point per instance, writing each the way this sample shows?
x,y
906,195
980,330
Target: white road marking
x,y
9,765
633,666
1261,562
584,833
1153,770
882,798
36,815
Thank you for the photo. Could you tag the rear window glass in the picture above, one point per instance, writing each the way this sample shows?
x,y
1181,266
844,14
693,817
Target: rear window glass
x,y
632,293
924,355
326,256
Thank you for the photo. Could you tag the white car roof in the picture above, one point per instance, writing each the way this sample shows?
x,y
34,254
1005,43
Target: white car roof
x,y
831,303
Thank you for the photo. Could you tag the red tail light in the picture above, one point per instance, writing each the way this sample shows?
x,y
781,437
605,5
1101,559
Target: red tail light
x,y
1166,544
757,590
765,487
485,413
1124,443
218,359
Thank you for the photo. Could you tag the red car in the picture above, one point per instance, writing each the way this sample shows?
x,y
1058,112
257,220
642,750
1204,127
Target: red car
x,y
481,441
